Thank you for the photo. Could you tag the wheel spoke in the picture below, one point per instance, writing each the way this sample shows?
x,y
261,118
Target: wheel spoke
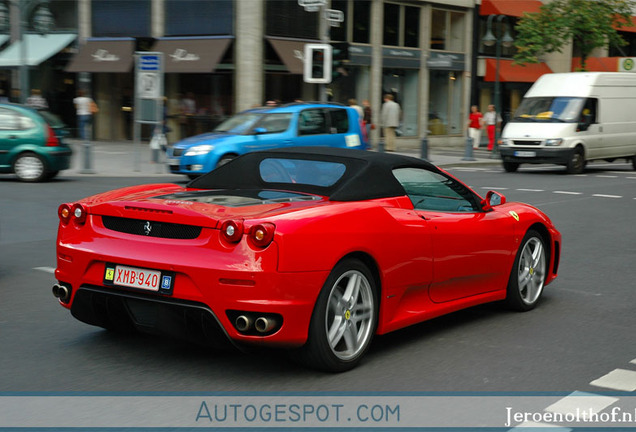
x,y
351,339
353,288
336,330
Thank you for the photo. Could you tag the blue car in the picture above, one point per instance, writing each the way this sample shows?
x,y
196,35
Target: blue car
x,y
292,125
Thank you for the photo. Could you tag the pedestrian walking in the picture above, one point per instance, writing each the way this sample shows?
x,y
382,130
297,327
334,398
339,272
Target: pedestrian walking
x,y
492,119
85,108
475,123
367,120
390,116
36,100
354,104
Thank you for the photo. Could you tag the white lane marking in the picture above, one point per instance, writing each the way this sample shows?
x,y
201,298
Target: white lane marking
x,y
568,193
631,178
578,402
45,269
633,361
607,196
580,175
494,188
605,176
531,190
618,379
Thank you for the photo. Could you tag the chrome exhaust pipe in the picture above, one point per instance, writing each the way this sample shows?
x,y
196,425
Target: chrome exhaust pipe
x,y
60,291
243,323
263,324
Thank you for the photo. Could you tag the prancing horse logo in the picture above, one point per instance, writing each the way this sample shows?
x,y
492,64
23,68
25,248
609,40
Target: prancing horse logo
x,y
147,228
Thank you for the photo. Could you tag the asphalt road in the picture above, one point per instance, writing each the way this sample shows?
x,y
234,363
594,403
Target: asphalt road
x,y
581,331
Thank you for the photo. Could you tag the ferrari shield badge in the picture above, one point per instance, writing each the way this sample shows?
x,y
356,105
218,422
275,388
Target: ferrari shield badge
x,y
514,215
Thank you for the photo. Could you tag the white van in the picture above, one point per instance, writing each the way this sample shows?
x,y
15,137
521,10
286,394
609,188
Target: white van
x,y
571,118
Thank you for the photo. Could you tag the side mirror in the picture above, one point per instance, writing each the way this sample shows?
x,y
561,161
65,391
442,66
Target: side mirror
x,y
259,131
492,199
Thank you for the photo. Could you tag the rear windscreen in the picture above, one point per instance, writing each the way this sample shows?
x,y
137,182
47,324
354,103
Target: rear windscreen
x,y
301,171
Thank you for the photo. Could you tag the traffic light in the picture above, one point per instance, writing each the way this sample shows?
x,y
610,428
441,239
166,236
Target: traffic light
x,y
317,67
340,58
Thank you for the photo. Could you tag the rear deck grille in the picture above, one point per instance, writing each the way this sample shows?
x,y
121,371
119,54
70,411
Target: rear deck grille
x,y
151,229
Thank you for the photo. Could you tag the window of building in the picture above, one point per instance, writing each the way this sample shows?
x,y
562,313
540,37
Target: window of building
x,y
448,30
357,18
288,19
403,85
391,24
445,103
116,18
194,17
628,50
401,25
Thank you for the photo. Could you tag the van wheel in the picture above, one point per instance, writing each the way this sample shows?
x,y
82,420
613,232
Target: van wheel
x,y
576,164
634,162
511,166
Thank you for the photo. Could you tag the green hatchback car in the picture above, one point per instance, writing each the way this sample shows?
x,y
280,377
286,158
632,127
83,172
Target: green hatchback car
x,y
32,143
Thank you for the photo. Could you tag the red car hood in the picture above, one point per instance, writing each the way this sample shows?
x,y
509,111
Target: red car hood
x,y
167,202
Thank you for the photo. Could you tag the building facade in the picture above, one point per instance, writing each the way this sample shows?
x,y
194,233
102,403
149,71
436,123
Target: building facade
x,y
230,55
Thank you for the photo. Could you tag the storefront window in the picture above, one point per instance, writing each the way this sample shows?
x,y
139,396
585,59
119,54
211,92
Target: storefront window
x,y
402,84
445,109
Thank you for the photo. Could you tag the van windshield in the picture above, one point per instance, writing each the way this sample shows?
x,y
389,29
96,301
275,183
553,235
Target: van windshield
x,y
549,109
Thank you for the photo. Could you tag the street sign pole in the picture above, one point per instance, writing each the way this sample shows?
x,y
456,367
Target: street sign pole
x,y
149,70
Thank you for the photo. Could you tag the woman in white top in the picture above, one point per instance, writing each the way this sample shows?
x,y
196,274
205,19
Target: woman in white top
x,y
83,108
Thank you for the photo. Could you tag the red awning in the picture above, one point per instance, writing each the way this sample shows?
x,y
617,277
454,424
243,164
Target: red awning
x,y
628,27
514,8
597,64
509,72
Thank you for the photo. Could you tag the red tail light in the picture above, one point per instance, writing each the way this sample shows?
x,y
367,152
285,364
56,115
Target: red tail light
x,y
64,213
262,234
232,231
51,139
79,214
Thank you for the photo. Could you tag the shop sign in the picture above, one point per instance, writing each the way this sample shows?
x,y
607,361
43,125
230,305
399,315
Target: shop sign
x,y
627,64
446,61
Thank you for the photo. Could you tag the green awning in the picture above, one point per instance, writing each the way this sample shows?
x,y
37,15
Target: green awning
x,y
38,49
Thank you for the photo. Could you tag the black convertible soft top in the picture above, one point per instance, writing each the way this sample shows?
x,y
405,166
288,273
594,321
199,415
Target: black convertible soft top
x,y
368,175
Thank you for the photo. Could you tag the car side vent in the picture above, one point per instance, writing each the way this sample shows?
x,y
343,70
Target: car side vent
x,y
149,228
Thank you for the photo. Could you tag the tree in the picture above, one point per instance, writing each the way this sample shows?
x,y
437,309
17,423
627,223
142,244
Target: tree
x,y
589,23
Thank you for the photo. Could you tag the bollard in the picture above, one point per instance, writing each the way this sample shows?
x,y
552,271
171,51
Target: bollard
x,y
424,148
468,155
88,153
381,146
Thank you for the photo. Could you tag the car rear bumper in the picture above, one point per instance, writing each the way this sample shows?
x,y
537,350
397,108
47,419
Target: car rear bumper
x,y
209,287
559,156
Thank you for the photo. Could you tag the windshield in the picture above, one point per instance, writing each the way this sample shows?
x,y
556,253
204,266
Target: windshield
x,y
549,109
239,124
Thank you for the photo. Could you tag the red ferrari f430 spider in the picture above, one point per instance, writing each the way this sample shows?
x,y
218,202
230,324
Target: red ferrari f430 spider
x,y
313,249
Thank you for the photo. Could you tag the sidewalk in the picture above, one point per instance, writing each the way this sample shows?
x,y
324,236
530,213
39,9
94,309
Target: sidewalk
x,y
126,158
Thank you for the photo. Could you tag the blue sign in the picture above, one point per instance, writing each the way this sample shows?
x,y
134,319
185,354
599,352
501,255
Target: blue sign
x,y
149,63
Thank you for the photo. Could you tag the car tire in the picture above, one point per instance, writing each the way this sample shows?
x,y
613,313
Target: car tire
x,y
347,308
576,164
634,162
29,167
51,174
528,274
511,166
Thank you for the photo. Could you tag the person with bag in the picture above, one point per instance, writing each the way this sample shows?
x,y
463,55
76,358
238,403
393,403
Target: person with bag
x,y
85,107
475,123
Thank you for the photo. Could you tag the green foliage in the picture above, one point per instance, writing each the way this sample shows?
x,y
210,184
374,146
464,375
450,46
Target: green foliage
x,y
589,23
